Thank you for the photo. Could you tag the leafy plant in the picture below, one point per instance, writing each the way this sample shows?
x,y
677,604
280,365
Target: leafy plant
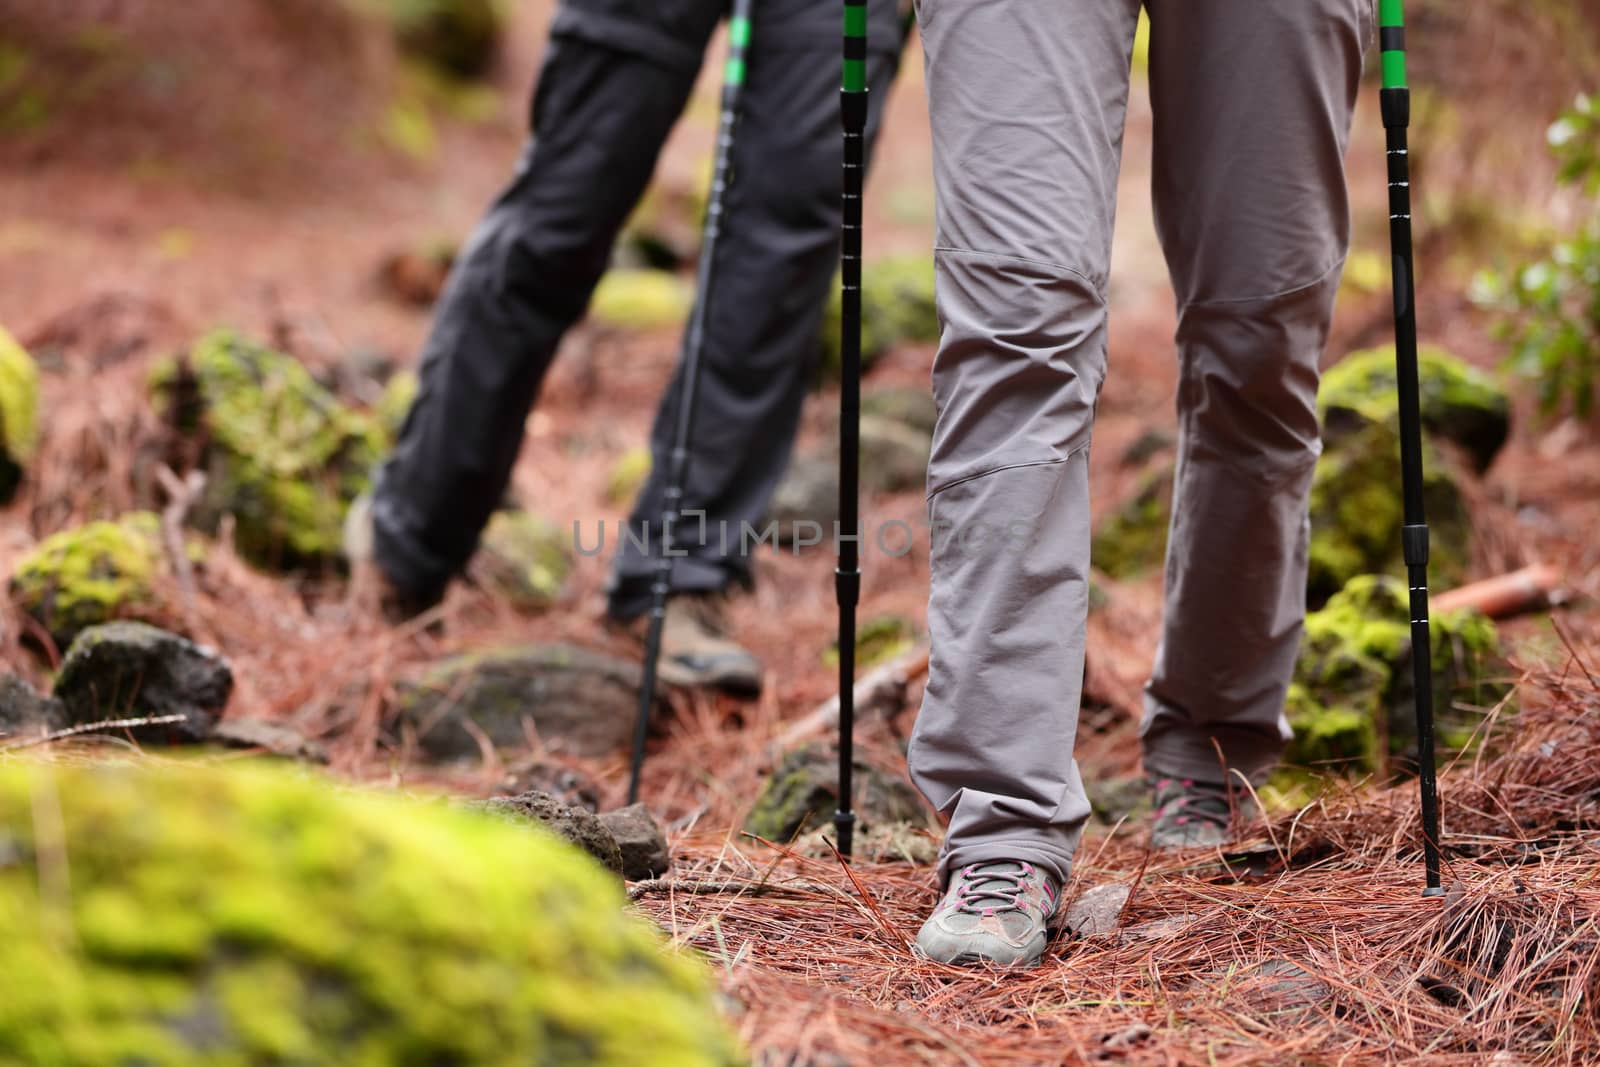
x,y
1551,307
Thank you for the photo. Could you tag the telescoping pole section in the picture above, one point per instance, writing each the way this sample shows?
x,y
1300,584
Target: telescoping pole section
x,y
693,345
1396,99
847,574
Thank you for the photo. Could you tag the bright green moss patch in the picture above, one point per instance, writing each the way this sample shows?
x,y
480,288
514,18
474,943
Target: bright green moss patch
x,y
90,575
285,458
19,413
247,916
1352,684
897,308
878,640
1133,539
524,559
641,300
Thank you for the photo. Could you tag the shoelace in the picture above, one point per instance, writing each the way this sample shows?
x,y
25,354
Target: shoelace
x,y
1185,801
978,884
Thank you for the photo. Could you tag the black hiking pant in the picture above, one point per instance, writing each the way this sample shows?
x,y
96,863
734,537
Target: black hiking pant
x,y
615,78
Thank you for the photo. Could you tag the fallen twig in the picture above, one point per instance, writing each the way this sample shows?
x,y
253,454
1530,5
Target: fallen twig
x,y
881,692
92,727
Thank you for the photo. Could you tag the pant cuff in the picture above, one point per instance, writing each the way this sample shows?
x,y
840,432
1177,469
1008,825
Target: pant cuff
x,y
1053,858
1176,758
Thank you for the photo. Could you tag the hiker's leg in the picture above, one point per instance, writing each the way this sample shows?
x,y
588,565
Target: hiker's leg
x,y
776,260
1252,112
1027,102
615,77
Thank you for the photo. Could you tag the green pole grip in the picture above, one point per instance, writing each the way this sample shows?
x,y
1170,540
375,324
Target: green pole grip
x,y
855,46
1392,42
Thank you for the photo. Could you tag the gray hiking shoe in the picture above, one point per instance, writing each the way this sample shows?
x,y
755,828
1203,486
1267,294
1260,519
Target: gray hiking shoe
x,y
696,652
1190,814
997,913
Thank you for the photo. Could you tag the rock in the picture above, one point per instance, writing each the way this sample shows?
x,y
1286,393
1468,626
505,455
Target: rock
x,y
581,827
912,407
1116,799
91,575
894,459
628,475
1357,511
1280,985
269,735
1152,930
569,785
1459,404
23,710
1095,912
897,307
892,842
1352,681
125,670
802,795
641,300
459,37
252,915
1133,539
579,702
283,456
19,414
523,559
639,839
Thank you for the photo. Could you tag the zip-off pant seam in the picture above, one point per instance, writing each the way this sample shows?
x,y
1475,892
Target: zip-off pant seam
x,y
1265,297
1069,457
1094,285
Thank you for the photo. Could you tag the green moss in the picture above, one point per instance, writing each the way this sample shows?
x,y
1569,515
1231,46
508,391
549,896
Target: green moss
x,y
1357,511
1133,539
641,300
1458,403
880,638
628,475
395,404
285,458
91,575
524,559
1352,681
19,413
897,308
248,916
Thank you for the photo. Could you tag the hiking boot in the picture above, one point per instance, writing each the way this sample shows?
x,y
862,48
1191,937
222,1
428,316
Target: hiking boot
x,y
371,589
1190,814
997,913
696,652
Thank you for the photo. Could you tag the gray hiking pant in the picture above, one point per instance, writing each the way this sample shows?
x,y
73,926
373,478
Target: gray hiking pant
x,y
615,78
1252,105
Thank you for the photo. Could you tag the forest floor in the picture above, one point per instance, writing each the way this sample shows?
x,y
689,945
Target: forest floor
x,y
124,239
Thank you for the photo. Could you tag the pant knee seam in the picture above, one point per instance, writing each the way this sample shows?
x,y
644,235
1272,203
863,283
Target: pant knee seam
x,y
965,478
1293,290
1075,272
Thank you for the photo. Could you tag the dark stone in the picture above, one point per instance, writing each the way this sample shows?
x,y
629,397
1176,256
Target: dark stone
x,y
127,670
579,702
24,711
567,784
643,845
583,828
894,459
802,794
278,738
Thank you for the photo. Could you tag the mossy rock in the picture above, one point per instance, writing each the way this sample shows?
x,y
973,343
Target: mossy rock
x,y
399,393
1352,683
19,414
897,308
523,559
246,915
1458,403
91,575
628,475
1133,539
1357,511
574,700
878,639
284,457
911,406
641,300
578,826
803,792
124,670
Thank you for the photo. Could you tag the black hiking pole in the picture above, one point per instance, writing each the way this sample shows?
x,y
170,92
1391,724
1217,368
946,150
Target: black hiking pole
x,y
694,342
1396,119
847,574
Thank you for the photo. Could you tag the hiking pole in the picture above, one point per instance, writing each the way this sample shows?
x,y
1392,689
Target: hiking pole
x,y
847,573
1396,98
693,344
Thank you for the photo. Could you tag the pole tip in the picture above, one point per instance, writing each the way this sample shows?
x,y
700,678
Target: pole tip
x,y
1433,891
